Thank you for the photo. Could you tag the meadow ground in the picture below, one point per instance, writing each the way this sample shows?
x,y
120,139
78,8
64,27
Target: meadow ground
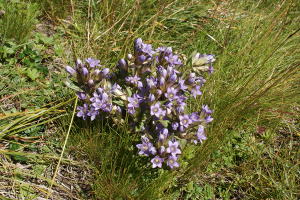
x,y
253,146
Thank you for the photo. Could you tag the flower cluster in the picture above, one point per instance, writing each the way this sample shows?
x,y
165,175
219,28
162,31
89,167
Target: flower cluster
x,y
153,95
93,89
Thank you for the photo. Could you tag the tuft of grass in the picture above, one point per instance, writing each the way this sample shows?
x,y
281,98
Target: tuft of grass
x,y
54,9
19,20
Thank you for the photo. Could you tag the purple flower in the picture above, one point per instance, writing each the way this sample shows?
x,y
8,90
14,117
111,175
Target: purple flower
x,y
151,82
172,162
162,71
196,91
70,70
81,95
180,105
192,78
169,107
151,97
135,80
104,72
157,162
147,49
206,110
182,86
145,139
163,134
134,101
96,96
142,58
93,62
185,120
101,104
116,90
171,93
162,81
155,110
162,149
107,107
146,148
173,77
93,113
173,60
101,101
164,50
141,47
194,117
83,111
171,70
138,43
173,148
84,71
131,110
175,126
122,64
209,119
200,134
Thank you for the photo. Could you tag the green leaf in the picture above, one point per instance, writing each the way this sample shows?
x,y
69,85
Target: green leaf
x,y
129,93
32,73
71,85
19,158
14,146
165,123
119,102
39,169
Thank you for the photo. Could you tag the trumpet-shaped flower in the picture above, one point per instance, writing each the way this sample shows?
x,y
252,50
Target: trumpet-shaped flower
x,y
173,148
157,162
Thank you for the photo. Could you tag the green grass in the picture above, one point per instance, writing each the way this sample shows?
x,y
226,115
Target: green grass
x,y
253,146
19,20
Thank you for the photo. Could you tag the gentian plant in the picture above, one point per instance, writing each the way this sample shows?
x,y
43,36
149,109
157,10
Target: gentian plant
x,y
148,89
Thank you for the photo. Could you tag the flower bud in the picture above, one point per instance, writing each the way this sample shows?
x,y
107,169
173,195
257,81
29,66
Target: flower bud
x,y
173,77
175,126
158,92
91,83
142,58
129,56
138,44
70,70
122,64
96,74
162,137
151,97
85,71
163,72
181,128
162,149
162,81
78,63
104,72
117,90
192,79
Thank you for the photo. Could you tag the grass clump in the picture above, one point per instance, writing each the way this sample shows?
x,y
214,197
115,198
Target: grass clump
x,y
18,21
